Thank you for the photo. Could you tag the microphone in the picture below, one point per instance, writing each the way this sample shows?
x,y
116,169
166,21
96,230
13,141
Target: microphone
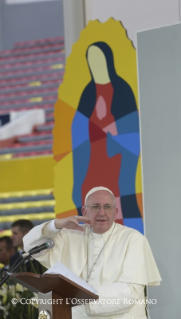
x,y
48,245
26,256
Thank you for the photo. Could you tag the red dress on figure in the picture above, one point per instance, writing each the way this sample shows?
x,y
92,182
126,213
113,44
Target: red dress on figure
x,y
103,170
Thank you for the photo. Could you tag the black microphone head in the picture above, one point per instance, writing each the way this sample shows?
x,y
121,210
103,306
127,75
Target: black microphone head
x,y
50,243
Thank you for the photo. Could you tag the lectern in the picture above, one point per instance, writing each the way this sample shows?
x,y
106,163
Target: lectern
x,y
61,293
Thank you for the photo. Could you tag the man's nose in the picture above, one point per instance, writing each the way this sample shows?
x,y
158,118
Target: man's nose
x,y
101,212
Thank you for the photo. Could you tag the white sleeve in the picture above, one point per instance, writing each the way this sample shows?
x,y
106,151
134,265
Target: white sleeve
x,y
114,299
36,236
39,235
50,228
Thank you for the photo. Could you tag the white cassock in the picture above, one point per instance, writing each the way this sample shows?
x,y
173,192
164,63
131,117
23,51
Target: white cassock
x,y
125,266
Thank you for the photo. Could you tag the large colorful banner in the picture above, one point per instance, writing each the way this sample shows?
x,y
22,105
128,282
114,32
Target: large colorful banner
x,y
96,134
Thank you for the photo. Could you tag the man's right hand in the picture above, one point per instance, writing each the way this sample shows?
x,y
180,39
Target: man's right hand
x,y
72,222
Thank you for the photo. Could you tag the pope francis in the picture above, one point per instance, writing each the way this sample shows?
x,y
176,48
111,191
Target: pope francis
x,y
116,260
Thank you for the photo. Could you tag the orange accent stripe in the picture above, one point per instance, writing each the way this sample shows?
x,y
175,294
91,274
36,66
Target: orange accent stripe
x,y
72,212
58,157
139,199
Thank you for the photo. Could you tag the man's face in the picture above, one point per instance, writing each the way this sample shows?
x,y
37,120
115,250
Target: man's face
x,y
5,254
100,221
17,236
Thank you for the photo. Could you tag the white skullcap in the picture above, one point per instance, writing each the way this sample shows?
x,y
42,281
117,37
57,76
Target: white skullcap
x,y
95,189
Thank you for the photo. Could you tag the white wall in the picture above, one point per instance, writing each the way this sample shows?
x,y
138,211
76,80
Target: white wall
x,y
74,22
159,68
134,14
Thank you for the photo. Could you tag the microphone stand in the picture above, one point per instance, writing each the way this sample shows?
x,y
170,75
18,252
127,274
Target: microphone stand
x,y
26,256
13,268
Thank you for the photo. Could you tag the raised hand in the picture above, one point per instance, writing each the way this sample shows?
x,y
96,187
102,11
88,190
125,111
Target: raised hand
x,y
72,222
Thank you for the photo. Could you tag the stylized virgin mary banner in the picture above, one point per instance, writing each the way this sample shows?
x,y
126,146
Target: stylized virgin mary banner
x,y
96,134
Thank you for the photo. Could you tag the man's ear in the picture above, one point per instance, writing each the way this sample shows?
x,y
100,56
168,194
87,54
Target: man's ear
x,y
24,233
12,251
84,212
116,211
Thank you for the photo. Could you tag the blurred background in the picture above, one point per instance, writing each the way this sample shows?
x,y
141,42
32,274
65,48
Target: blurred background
x,y
32,59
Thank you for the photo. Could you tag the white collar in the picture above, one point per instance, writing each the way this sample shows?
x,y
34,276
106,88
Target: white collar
x,y
96,235
104,235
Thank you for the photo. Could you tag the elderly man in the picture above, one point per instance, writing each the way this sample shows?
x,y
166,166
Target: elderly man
x,y
116,260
